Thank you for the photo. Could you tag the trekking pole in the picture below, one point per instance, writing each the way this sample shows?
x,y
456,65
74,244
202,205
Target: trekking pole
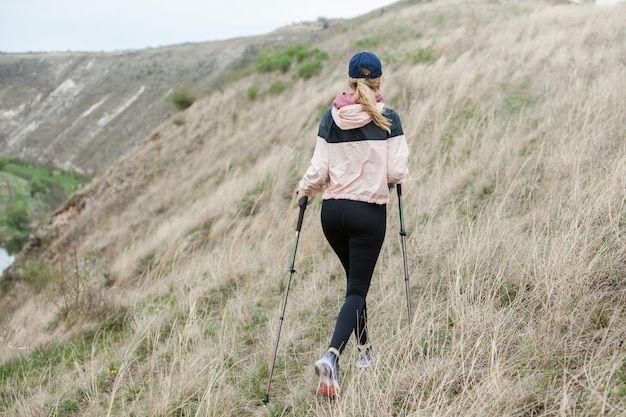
x,y
403,234
302,202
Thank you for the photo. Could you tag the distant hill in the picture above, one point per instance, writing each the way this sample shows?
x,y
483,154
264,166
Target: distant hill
x,y
81,111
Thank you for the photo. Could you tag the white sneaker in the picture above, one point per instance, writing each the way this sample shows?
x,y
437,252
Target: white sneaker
x,y
365,357
327,368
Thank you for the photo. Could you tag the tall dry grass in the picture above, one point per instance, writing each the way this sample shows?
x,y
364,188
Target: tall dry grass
x,y
515,218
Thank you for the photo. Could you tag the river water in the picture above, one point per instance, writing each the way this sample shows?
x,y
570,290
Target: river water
x,y
5,260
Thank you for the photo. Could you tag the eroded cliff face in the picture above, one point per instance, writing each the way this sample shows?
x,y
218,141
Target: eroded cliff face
x,y
83,110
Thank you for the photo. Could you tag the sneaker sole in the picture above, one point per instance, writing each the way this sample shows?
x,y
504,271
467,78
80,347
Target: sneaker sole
x,y
327,386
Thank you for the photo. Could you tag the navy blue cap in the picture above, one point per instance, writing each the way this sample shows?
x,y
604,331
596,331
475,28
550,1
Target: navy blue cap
x,y
365,65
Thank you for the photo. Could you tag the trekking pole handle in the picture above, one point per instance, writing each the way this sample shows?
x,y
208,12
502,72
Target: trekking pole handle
x,y
302,202
399,190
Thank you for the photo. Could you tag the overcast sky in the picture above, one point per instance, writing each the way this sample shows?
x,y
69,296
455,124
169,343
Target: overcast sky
x,y
99,25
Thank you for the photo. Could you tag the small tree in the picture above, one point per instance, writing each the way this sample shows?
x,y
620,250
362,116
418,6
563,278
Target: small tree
x,y
17,217
36,187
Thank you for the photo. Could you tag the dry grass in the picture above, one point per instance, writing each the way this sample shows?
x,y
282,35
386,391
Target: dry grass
x,y
514,209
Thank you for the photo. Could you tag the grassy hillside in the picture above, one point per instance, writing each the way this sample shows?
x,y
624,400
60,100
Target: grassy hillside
x,y
160,294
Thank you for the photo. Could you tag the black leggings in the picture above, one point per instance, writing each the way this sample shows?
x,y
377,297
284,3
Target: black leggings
x,y
355,230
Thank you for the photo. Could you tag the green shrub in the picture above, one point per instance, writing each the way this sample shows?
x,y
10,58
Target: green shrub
x,y
424,55
17,218
15,244
369,43
179,119
321,55
253,92
277,87
36,187
309,69
38,274
302,54
281,60
298,51
274,61
68,406
3,162
181,98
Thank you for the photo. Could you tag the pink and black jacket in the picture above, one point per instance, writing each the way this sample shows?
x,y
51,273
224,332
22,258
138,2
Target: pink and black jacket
x,y
354,158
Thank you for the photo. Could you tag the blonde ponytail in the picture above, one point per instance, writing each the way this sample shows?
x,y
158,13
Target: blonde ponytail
x,y
365,94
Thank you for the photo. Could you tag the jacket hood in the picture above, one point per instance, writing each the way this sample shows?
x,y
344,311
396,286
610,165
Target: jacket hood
x,y
350,115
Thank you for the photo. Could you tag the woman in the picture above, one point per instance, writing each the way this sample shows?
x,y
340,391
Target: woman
x,y
360,153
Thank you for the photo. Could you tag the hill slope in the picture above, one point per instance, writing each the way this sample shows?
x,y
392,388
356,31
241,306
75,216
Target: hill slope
x,y
81,111
156,290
